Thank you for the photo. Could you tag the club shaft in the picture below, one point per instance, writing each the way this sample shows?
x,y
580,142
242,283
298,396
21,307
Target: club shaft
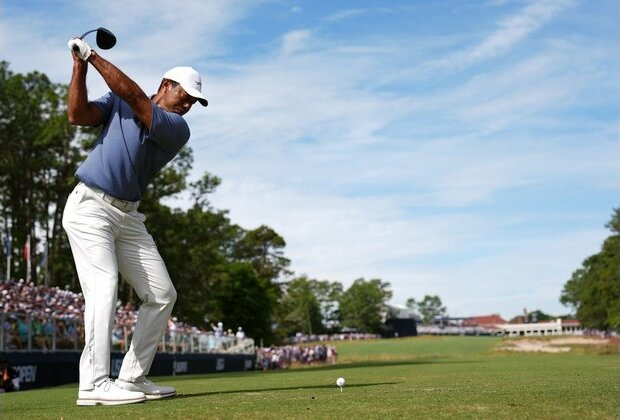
x,y
86,33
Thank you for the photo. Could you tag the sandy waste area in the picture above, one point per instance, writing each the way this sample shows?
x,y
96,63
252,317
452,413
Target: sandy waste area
x,y
556,345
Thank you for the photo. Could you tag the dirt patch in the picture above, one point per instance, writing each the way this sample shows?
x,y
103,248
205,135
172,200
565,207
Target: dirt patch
x,y
554,345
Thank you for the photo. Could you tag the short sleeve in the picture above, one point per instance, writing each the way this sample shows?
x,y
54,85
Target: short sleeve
x,y
106,104
168,129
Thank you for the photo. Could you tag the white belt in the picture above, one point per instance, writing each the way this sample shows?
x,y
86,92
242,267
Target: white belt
x,y
122,205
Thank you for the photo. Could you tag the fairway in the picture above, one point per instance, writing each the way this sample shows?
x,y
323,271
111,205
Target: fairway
x,y
422,377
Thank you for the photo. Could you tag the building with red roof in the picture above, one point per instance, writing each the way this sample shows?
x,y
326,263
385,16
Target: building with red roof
x,y
484,321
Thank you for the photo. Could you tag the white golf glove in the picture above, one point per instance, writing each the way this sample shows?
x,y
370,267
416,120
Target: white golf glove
x,y
80,47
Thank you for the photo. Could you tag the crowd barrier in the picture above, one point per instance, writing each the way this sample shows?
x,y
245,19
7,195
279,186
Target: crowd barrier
x,y
36,369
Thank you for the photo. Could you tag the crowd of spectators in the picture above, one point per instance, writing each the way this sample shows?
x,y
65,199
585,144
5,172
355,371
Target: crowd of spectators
x,y
306,349
50,318
282,357
312,338
53,319
47,316
22,297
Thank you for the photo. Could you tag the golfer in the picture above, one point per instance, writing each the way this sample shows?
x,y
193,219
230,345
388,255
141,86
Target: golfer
x,y
139,135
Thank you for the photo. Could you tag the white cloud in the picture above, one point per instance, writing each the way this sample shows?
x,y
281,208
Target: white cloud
x,y
295,41
341,235
345,14
515,29
351,13
517,276
341,239
510,32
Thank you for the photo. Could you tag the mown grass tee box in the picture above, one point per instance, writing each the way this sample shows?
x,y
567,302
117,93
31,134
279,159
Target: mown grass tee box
x,y
422,377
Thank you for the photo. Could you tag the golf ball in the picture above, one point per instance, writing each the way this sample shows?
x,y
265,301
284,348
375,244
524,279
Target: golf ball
x,y
340,381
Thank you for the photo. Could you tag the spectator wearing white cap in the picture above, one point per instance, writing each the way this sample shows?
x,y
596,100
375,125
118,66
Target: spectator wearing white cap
x,y
240,333
218,329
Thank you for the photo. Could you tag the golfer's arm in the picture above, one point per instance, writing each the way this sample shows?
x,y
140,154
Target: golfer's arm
x,y
79,110
124,87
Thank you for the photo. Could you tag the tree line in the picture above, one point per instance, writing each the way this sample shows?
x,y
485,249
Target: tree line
x,y
222,272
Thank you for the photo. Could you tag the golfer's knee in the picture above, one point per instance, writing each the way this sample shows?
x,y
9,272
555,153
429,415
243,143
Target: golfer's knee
x,y
168,296
164,297
171,296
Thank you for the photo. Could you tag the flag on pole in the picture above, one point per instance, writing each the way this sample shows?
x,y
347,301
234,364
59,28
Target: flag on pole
x,y
27,249
7,246
27,258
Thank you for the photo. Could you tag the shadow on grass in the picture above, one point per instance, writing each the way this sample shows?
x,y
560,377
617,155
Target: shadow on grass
x,y
381,363
338,366
290,388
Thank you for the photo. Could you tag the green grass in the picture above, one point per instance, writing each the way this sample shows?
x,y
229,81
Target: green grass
x,y
423,377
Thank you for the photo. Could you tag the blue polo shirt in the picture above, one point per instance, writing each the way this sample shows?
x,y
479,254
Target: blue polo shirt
x,y
127,154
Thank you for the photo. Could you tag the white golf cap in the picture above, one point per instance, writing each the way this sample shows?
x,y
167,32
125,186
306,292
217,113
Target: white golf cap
x,y
189,79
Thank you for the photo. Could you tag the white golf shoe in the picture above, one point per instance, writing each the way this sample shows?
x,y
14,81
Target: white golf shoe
x,y
109,393
150,390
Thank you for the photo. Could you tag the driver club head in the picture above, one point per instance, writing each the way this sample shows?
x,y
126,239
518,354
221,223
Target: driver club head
x,y
105,39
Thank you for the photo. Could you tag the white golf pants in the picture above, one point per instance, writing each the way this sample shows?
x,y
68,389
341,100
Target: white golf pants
x,y
105,241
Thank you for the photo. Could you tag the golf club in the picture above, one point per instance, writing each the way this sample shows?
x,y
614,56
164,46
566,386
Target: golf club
x,y
105,38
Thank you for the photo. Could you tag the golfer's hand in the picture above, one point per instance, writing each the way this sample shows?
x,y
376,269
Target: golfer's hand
x,y
80,48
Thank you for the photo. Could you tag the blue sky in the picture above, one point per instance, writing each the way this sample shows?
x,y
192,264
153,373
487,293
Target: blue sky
x,y
467,149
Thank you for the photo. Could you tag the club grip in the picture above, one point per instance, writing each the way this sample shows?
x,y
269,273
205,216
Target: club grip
x,y
76,48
